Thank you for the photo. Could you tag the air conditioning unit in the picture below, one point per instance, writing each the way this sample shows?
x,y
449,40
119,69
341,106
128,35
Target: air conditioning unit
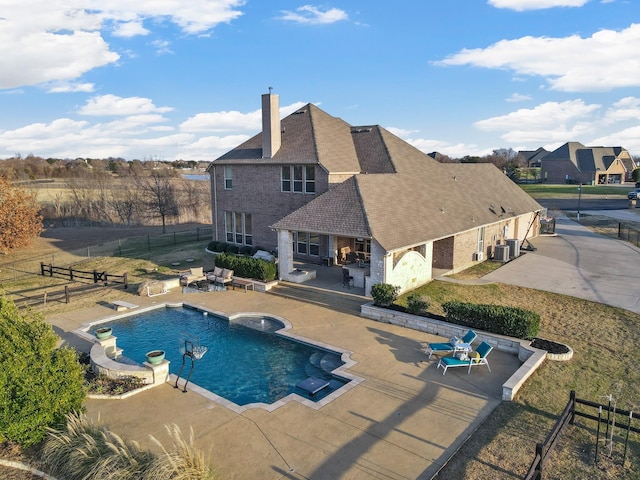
x,y
478,256
514,247
501,253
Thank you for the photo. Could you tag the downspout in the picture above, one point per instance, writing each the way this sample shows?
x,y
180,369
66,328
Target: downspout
x,y
214,191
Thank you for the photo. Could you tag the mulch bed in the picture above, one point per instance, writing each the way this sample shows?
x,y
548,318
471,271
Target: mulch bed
x,y
550,346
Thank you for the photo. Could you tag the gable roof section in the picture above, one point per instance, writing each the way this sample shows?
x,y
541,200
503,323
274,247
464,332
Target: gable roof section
x,y
533,156
405,209
564,152
339,211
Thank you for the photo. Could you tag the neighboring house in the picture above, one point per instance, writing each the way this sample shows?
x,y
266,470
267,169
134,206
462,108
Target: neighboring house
x,y
575,163
316,187
532,158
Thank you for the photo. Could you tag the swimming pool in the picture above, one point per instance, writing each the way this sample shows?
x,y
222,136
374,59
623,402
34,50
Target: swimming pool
x,y
247,362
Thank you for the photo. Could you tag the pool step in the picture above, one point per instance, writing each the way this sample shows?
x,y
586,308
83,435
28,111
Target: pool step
x,y
325,362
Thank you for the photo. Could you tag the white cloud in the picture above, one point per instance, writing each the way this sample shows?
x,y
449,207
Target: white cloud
x,y
231,121
310,14
425,145
628,138
518,97
597,63
161,46
138,131
63,87
627,108
522,5
211,147
548,121
130,29
112,105
61,41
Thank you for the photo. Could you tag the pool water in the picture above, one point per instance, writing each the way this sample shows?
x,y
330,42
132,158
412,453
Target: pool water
x,y
244,364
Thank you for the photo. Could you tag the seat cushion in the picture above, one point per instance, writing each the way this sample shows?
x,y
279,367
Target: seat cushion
x,y
227,274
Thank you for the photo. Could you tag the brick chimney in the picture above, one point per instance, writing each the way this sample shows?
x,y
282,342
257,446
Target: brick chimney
x,y
271,137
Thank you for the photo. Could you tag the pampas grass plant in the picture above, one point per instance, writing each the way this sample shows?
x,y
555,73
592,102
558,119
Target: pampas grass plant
x,y
184,462
86,450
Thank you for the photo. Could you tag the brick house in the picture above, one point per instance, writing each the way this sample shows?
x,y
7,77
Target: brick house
x,y
321,190
575,163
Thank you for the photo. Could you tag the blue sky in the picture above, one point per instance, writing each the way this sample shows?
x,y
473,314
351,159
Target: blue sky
x,y
182,80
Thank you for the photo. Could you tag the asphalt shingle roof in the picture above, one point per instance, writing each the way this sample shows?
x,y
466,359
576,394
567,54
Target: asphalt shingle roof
x,y
403,209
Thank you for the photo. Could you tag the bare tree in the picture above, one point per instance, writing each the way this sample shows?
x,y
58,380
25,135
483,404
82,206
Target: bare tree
x,y
125,202
159,194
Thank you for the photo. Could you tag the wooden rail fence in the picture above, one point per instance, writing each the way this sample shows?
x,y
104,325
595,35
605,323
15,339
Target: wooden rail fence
x,y
75,275
63,295
567,418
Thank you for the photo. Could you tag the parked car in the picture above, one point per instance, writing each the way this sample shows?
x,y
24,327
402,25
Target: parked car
x,y
634,194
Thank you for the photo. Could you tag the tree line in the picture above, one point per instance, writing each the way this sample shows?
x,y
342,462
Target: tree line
x,y
83,192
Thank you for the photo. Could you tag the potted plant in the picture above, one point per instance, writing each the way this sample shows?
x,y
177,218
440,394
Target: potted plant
x,y
102,333
154,357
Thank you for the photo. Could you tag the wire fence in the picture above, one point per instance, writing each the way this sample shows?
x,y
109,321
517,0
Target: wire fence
x,y
133,247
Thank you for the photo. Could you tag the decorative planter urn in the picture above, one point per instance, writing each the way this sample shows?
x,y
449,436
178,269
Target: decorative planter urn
x,y
154,357
102,333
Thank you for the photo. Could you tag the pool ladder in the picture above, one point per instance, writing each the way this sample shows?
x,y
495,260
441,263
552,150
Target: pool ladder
x,y
193,353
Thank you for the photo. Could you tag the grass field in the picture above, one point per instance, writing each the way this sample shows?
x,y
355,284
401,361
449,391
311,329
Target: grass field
x,y
503,447
543,190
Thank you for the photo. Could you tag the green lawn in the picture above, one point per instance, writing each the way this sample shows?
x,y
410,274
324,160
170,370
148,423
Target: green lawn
x,y
542,190
504,445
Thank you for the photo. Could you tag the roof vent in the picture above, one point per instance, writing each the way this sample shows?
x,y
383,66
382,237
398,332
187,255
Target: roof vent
x,y
299,112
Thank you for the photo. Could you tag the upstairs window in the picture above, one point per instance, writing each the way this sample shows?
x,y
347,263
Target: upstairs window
x,y
310,179
228,177
286,179
298,179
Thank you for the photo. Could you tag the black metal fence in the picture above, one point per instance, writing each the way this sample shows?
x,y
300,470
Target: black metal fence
x,y
610,418
629,234
142,246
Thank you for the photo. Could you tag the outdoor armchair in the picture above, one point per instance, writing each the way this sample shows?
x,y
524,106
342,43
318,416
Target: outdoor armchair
x,y
450,346
479,357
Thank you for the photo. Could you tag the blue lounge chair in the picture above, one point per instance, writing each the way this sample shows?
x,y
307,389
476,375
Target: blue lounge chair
x,y
449,347
479,357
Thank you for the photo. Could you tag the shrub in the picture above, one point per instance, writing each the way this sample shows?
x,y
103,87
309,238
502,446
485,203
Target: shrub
x,y
510,321
220,247
245,250
248,267
417,304
39,383
232,248
384,294
212,246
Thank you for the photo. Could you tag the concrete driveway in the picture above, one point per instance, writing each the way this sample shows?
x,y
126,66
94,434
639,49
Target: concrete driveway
x,y
579,263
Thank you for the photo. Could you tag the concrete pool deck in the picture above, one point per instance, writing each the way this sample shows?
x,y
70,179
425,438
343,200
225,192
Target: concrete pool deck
x,y
402,422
